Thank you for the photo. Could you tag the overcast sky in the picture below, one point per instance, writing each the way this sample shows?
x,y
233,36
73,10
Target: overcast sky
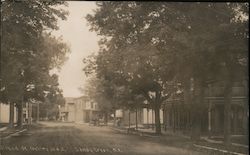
x,y
82,43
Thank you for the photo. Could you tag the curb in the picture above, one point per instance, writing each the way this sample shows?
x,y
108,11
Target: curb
x,y
219,150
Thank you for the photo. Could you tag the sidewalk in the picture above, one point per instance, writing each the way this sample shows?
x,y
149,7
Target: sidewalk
x,y
217,144
205,144
142,131
3,128
6,132
211,140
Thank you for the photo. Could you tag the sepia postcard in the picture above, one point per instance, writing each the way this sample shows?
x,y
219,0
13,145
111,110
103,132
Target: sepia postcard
x,y
124,78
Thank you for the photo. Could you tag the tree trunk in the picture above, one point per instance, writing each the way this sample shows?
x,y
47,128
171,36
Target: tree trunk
x,y
157,112
157,120
153,123
197,109
106,118
227,112
136,121
229,73
129,119
20,115
11,118
47,115
29,113
37,113
115,118
147,118
174,118
164,118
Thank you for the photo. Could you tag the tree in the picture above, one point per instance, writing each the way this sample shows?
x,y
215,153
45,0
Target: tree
x,y
126,71
130,55
216,47
154,46
105,94
95,92
28,53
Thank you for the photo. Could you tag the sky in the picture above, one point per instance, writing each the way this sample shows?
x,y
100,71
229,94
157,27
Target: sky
x,y
82,43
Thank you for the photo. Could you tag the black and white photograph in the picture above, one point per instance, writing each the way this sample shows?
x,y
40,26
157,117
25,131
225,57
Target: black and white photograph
x,y
124,77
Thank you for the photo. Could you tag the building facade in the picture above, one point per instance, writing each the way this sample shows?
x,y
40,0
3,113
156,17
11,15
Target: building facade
x,y
79,110
178,112
66,111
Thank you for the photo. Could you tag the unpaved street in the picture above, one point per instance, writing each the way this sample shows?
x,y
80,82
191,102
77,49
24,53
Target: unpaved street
x,y
69,138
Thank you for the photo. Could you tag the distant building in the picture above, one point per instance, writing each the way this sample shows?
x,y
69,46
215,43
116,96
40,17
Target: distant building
x,y
79,110
67,110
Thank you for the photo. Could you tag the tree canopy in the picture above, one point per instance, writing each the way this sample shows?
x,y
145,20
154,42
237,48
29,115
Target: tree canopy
x,y
28,50
154,47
